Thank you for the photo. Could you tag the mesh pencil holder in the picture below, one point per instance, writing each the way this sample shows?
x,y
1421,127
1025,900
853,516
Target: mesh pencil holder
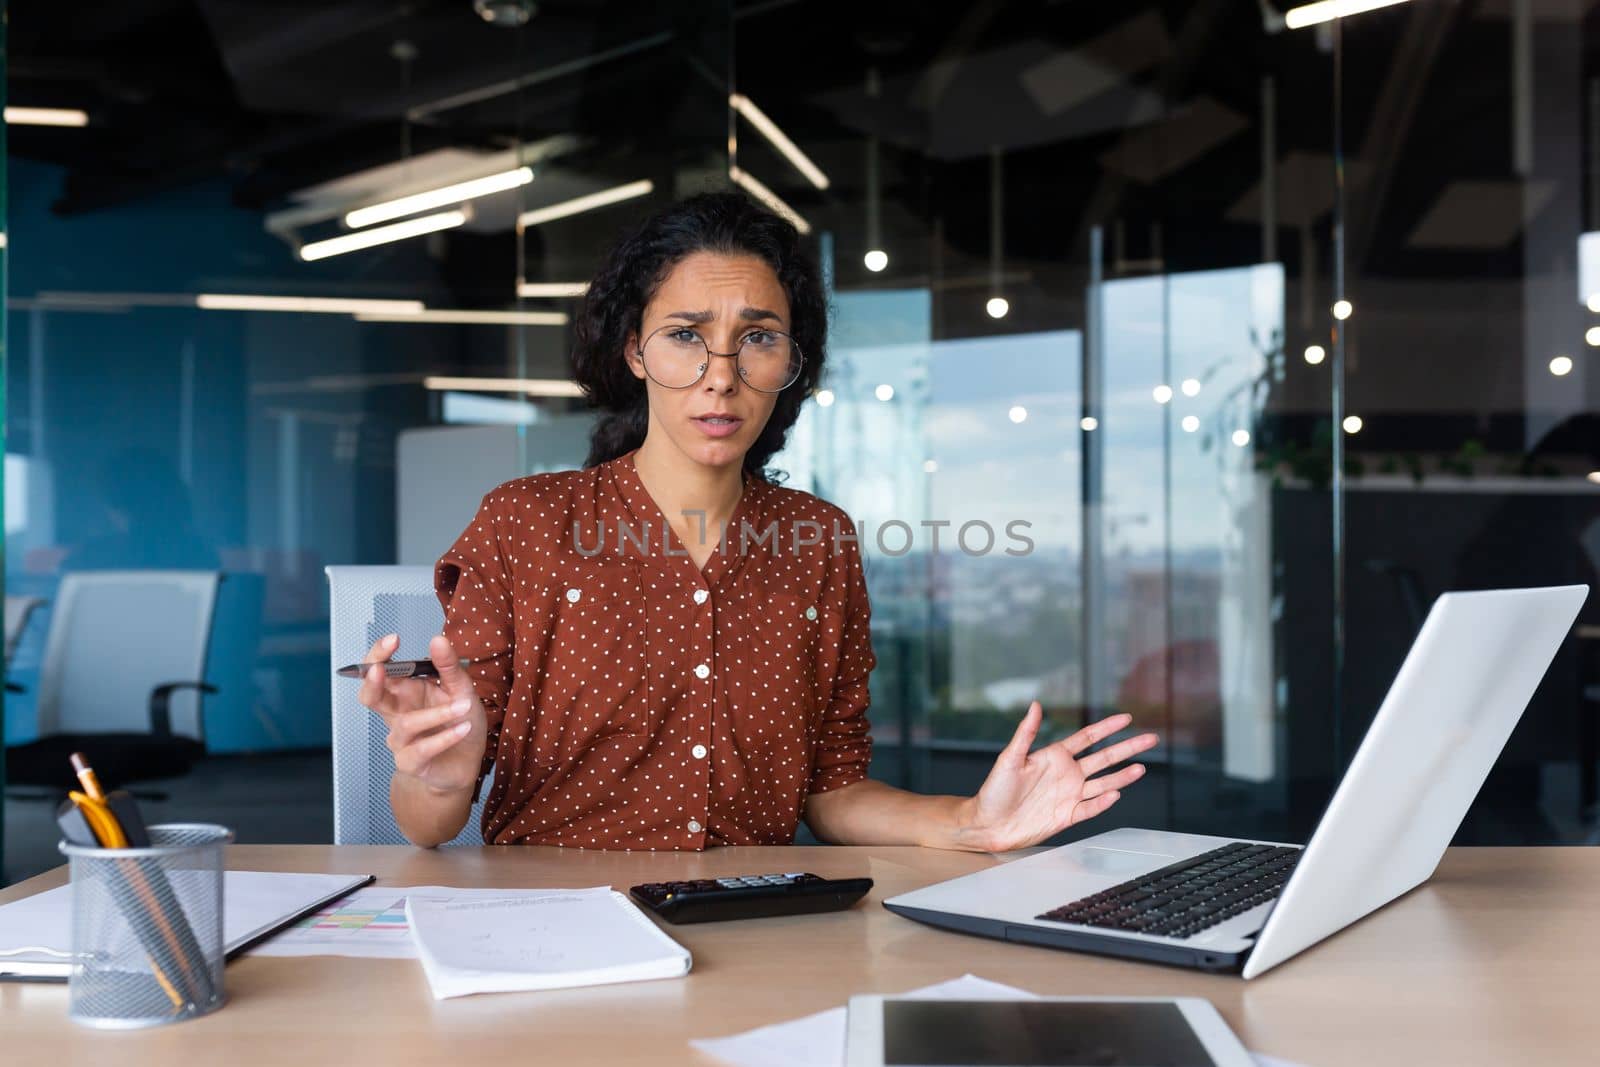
x,y
147,940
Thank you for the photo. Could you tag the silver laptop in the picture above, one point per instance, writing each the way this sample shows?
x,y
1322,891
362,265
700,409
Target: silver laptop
x,y
1223,904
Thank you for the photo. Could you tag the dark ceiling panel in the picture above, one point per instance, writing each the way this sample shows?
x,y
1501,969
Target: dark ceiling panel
x,y
1135,111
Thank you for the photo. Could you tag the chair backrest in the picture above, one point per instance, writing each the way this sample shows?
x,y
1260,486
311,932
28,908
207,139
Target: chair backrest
x,y
18,608
1590,539
365,603
116,635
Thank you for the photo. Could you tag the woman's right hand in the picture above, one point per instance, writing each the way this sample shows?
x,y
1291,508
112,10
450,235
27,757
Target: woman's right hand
x,y
437,730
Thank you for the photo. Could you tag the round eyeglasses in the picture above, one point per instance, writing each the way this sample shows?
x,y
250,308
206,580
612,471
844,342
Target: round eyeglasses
x,y
676,357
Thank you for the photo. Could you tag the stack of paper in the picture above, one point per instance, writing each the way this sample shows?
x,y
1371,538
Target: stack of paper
x,y
541,940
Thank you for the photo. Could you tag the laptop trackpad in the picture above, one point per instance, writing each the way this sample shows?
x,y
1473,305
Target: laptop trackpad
x,y
1119,861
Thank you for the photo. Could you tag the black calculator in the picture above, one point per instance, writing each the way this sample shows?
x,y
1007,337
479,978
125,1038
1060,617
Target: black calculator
x,y
752,896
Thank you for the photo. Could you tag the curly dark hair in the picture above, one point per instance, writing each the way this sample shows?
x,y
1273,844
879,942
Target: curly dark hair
x,y
724,222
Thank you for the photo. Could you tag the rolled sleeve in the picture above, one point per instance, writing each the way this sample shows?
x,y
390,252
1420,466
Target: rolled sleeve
x,y
844,744
472,582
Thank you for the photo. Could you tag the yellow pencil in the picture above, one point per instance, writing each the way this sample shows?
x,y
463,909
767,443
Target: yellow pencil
x,y
86,776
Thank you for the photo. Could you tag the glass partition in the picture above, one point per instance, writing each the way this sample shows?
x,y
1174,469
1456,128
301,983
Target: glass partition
x,y
5,479
200,384
1178,360
1470,425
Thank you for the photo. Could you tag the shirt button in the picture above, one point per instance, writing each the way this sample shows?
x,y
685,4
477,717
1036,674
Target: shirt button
x,y
699,751
702,671
811,613
701,596
694,826
573,596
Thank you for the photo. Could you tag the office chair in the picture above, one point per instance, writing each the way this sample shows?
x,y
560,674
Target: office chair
x,y
365,603
122,678
1407,586
18,609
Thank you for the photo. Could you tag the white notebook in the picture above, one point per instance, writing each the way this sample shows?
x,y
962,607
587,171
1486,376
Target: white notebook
x,y
36,931
543,939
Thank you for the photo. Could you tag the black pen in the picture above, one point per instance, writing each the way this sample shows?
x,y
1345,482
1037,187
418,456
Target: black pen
x,y
395,668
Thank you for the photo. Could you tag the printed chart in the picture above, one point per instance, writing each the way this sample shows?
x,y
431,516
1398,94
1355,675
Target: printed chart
x,y
369,923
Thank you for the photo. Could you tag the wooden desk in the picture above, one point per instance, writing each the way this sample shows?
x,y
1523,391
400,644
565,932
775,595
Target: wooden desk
x,y
1496,961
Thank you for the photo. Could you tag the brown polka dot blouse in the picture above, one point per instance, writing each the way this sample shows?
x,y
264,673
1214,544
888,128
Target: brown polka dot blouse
x,y
635,701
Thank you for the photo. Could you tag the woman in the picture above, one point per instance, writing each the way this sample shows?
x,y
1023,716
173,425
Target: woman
x,y
665,650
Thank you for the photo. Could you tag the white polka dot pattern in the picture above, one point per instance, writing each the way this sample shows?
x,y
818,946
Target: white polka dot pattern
x,y
636,701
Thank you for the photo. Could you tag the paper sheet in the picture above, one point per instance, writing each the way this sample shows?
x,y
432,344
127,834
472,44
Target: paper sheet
x,y
544,939
818,1040
369,923
252,901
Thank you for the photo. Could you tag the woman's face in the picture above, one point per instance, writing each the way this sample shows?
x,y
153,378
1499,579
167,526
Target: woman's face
x,y
723,299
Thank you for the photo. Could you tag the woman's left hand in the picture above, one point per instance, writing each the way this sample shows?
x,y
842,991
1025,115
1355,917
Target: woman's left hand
x,y
1029,796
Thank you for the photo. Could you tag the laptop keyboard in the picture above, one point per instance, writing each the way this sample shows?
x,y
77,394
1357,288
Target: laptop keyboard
x,y
1189,896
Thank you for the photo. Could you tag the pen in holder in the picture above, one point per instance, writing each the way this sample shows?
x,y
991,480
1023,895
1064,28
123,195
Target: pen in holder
x,y
147,938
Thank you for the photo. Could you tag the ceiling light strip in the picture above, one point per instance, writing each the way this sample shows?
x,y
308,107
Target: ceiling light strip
x,y
530,386
466,317
318,304
768,197
580,204
456,193
46,116
769,129
379,235
1328,10
552,289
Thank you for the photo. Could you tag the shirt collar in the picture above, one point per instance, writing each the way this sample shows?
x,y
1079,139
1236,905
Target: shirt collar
x,y
642,511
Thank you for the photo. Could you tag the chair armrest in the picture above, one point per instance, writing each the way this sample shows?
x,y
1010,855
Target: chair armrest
x,y
161,701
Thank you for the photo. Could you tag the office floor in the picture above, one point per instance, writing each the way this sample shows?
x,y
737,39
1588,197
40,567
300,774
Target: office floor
x,y
287,798
283,798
